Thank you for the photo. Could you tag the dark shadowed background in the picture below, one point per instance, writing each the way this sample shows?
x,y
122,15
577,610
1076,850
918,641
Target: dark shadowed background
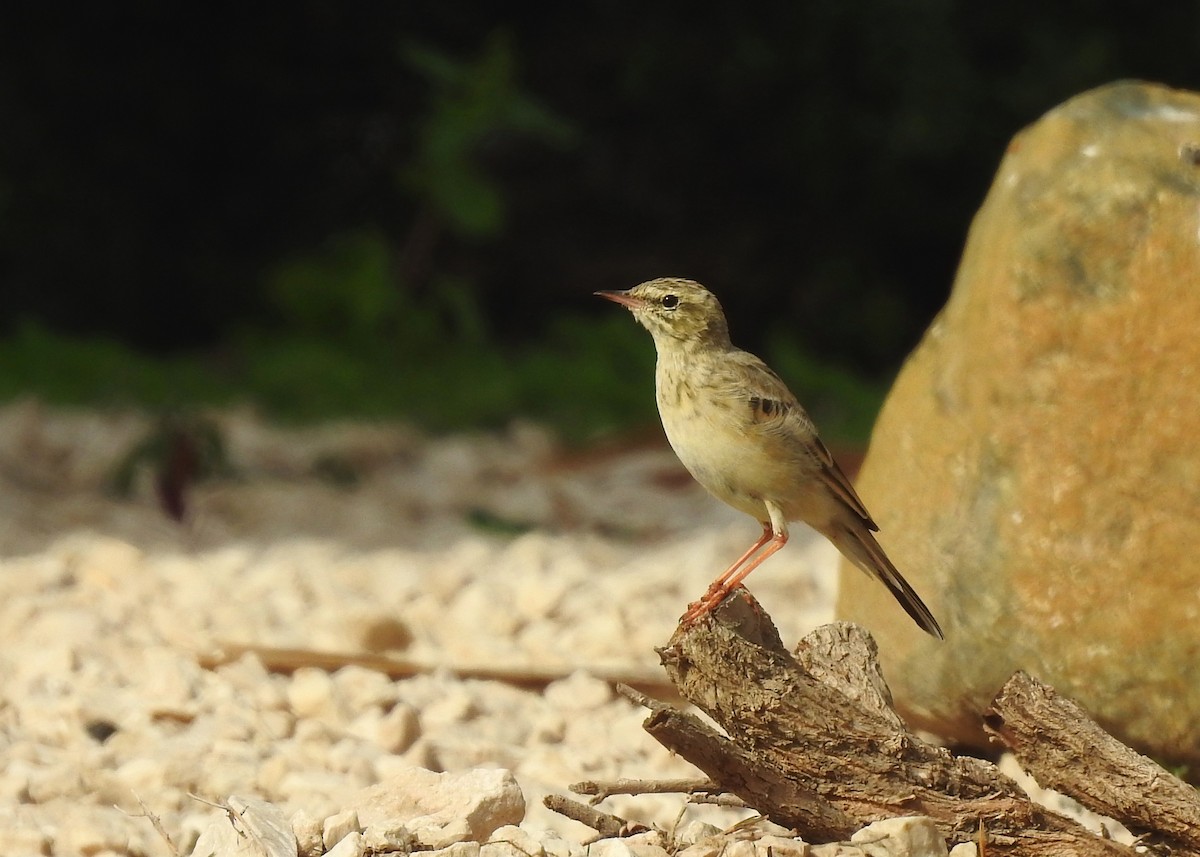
x,y
401,209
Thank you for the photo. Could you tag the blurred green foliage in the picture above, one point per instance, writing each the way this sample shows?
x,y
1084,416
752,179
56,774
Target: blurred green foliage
x,y
383,214
472,103
591,376
342,292
814,162
356,342
352,333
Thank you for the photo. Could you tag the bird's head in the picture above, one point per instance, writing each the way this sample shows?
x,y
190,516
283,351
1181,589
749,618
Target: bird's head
x,y
675,311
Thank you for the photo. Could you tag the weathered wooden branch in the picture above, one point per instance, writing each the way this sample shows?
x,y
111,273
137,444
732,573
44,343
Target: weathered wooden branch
x,y
607,826
1059,743
735,769
814,744
599,790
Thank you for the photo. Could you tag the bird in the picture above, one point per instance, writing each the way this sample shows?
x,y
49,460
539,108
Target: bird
x,y
741,433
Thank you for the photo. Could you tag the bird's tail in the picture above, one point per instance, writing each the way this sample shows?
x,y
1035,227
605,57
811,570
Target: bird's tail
x,y
861,548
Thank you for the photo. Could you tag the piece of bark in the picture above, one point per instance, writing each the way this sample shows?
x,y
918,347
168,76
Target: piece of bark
x,y
839,740
736,770
843,656
606,825
1059,743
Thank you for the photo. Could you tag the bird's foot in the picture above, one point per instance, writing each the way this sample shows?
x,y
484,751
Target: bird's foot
x,y
705,605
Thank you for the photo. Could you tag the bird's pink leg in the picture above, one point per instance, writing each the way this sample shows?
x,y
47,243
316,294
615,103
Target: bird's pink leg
x,y
732,577
719,583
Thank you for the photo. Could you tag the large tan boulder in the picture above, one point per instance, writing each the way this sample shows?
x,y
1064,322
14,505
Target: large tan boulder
x,y
1036,468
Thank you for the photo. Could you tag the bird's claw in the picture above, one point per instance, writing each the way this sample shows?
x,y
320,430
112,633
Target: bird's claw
x,y
705,605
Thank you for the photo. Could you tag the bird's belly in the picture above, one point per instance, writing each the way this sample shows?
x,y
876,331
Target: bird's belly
x,y
733,468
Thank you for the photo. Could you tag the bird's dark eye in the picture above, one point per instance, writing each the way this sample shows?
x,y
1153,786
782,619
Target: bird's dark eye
x,y
670,301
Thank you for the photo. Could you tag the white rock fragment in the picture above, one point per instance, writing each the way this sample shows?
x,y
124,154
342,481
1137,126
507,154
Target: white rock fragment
x,y
310,694
483,800
554,845
396,730
780,846
220,839
548,727
143,775
965,849
705,848
252,828
514,836
264,823
23,840
358,688
458,849
435,832
422,754
336,827
308,830
837,849
506,849
692,832
908,836
578,692
389,839
627,847
107,561
93,830
739,846
350,845
454,707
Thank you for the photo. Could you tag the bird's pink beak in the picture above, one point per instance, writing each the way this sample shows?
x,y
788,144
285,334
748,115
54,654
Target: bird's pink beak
x,y
623,298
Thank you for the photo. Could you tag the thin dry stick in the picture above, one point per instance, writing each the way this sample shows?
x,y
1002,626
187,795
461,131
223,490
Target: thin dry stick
x,y
288,660
154,820
599,790
605,824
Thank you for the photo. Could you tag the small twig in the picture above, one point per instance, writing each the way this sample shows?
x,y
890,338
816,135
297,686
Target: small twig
x,y
605,824
719,800
154,820
601,790
639,698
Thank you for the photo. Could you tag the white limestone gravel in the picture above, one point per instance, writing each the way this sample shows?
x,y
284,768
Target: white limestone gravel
x,y
107,604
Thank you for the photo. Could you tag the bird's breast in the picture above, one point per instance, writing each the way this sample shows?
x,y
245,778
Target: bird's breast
x,y
708,435
738,458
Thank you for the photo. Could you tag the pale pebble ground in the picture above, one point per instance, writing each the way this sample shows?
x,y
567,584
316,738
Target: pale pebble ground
x,y
106,605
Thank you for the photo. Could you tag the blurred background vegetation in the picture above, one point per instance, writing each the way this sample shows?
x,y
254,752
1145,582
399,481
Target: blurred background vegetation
x,y
401,209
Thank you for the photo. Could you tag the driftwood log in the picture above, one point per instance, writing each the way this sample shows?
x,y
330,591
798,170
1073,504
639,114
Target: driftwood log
x,y
812,742
1065,750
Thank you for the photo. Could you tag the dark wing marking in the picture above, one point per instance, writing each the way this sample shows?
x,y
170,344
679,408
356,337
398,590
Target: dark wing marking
x,y
745,378
773,406
765,408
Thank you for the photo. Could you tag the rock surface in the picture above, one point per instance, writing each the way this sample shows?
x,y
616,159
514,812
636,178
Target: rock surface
x,y
1035,469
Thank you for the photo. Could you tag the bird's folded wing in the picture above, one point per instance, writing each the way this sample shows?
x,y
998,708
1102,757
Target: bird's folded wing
x,y
833,476
772,406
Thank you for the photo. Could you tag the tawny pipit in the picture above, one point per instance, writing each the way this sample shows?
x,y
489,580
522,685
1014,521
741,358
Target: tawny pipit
x,y
741,433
